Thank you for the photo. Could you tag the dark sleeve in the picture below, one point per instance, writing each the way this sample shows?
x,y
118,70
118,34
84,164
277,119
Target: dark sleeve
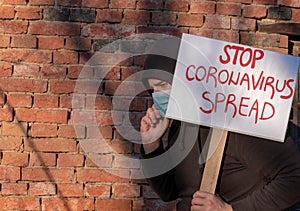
x,y
279,166
164,185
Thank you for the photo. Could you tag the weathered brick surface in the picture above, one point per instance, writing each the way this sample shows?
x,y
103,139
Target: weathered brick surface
x,y
61,125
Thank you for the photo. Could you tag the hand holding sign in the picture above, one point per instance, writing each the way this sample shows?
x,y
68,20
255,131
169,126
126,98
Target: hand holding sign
x,y
235,88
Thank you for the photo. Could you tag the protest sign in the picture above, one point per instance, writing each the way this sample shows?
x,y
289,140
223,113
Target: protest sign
x,y
233,87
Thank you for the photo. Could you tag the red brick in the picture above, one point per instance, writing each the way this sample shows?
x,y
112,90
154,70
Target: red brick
x,y
13,27
202,7
164,18
5,70
109,59
67,204
122,161
247,38
177,5
70,131
65,57
10,143
194,20
70,190
98,190
62,87
26,55
29,13
14,2
43,130
70,3
112,73
150,4
296,15
241,1
126,191
14,159
50,145
228,9
23,85
36,115
53,72
9,174
140,205
84,87
70,102
26,70
102,118
78,43
45,101
42,3
19,203
48,174
100,4
99,102
4,41
14,129
14,189
7,12
54,28
136,17
42,159
50,43
109,16
278,50
99,161
284,41
70,160
265,2
2,99
97,175
254,11
108,31
113,204
19,100
226,35
128,88
269,40
75,72
6,115
96,131
289,3
102,146
244,24
137,104
217,22
125,4
90,163
42,189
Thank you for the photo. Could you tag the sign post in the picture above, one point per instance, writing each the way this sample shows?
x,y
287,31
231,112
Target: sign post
x,y
217,141
231,87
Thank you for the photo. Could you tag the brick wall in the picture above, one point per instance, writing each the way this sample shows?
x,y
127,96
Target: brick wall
x,y
51,153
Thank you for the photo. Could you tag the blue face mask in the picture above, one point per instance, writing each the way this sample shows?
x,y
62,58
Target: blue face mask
x,y
161,100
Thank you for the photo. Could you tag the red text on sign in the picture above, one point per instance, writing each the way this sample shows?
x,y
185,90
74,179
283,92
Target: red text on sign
x,y
241,55
241,107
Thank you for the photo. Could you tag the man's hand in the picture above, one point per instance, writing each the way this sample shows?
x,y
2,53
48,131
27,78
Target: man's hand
x,y
208,202
153,126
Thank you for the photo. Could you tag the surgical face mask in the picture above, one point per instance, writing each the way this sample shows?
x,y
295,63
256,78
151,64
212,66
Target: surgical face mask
x,y
161,100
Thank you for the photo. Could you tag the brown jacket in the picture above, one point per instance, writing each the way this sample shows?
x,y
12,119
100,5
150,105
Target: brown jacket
x,y
256,174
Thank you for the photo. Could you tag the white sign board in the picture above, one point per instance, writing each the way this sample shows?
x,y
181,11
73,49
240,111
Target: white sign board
x,y
233,87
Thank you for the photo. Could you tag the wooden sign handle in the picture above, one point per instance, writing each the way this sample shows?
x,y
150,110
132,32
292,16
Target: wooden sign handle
x,y
217,141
